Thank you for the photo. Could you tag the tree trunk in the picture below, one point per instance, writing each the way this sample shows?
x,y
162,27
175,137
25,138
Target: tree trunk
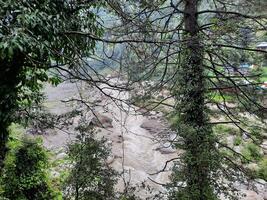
x,y
9,80
196,132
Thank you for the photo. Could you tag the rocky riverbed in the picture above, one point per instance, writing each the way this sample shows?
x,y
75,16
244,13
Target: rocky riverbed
x,y
139,140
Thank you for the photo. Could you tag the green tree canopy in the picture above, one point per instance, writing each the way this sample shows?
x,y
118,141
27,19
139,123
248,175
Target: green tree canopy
x,y
90,177
33,40
26,175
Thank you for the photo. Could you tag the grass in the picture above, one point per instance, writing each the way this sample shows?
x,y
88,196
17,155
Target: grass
x,y
251,152
16,133
219,99
237,141
264,74
262,171
225,130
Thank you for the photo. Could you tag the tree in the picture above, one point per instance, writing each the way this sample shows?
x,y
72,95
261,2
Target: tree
x,y
89,178
190,46
32,41
26,174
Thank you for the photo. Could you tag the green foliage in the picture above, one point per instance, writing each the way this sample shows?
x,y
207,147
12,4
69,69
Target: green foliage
x,y
251,152
256,133
173,119
263,74
225,130
221,98
237,140
262,171
89,178
25,173
33,34
33,39
16,132
193,194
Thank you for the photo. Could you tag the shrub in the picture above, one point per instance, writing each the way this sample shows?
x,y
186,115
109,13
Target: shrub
x,y
237,141
251,152
225,130
262,172
25,173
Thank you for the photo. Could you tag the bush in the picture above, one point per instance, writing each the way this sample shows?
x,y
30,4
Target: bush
x,y
225,130
25,173
237,141
262,172
251,152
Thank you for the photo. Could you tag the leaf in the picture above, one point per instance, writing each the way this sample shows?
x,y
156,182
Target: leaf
x,y
10,52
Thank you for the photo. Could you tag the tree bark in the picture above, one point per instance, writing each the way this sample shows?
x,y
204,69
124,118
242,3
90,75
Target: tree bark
x,y
9,79
197,137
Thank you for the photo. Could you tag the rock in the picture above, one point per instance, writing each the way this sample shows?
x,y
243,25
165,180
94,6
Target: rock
x,y
245,136
265,196
159,115
237,149
35,131
55,174
264,147
99,100
102,121
264,135
260,185
153,112
109,143
110,159
230,140
61,156
253,166
240,186
143,111
153,126
76,120
251,195
166,148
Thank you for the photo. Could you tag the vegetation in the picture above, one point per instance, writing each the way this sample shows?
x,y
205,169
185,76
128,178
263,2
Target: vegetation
x,y
32,40
201,51
89,178
237,141
264,74
262,172
198,51
252,152
26,171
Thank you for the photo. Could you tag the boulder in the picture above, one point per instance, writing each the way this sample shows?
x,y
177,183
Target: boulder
x,y
166,148
237,149
251,195
110,159
253,166
152,125
153,112
260,185
143,111
61,156
76,120
230,140
264,147
102,121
